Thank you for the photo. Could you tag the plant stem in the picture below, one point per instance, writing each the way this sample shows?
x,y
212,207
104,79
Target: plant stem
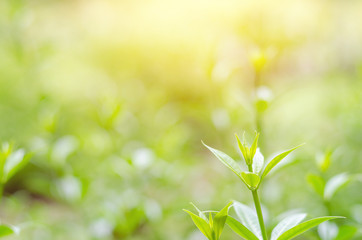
x,y
257,82
327,204
260,214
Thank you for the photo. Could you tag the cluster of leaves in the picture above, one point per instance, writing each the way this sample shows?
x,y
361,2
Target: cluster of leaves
x,y
253,159
213,226
247,224
250,225
327,188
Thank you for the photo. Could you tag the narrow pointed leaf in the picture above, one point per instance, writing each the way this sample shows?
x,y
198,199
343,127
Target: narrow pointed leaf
x,y
248,218
211,222
249,160
201,224
258,162
240,229
336,183
242,148
303,227
201,214
317,183
276,160
220,219
254,146
226,160
286,224
251,179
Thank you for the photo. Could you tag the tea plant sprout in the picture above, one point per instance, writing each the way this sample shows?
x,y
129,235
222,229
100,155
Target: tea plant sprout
x,y
251,226
212,226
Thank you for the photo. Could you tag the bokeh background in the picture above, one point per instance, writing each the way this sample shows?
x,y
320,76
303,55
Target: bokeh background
x,y
113,98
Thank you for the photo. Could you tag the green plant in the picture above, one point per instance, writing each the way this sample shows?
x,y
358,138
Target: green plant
x,y
327,188
251,225
213,226
11,161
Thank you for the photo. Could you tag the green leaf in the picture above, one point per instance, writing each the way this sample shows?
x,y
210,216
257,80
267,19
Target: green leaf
x,y
346,232
324,162
14,163
248,218
226,160
336,183
254,146
286,224
220,219
249,160
201,214
243,149
6,149
251,179
6,230
303,227
258,162
276,160
240,229
211,222
201,224
317,183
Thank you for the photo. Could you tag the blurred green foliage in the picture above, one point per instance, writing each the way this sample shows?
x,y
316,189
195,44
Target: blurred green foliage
x,y
113,98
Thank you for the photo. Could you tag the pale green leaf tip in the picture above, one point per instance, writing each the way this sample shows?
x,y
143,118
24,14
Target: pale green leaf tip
x,y
230,203
204,144
331,217
197,209
294,148
337,217
300,145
